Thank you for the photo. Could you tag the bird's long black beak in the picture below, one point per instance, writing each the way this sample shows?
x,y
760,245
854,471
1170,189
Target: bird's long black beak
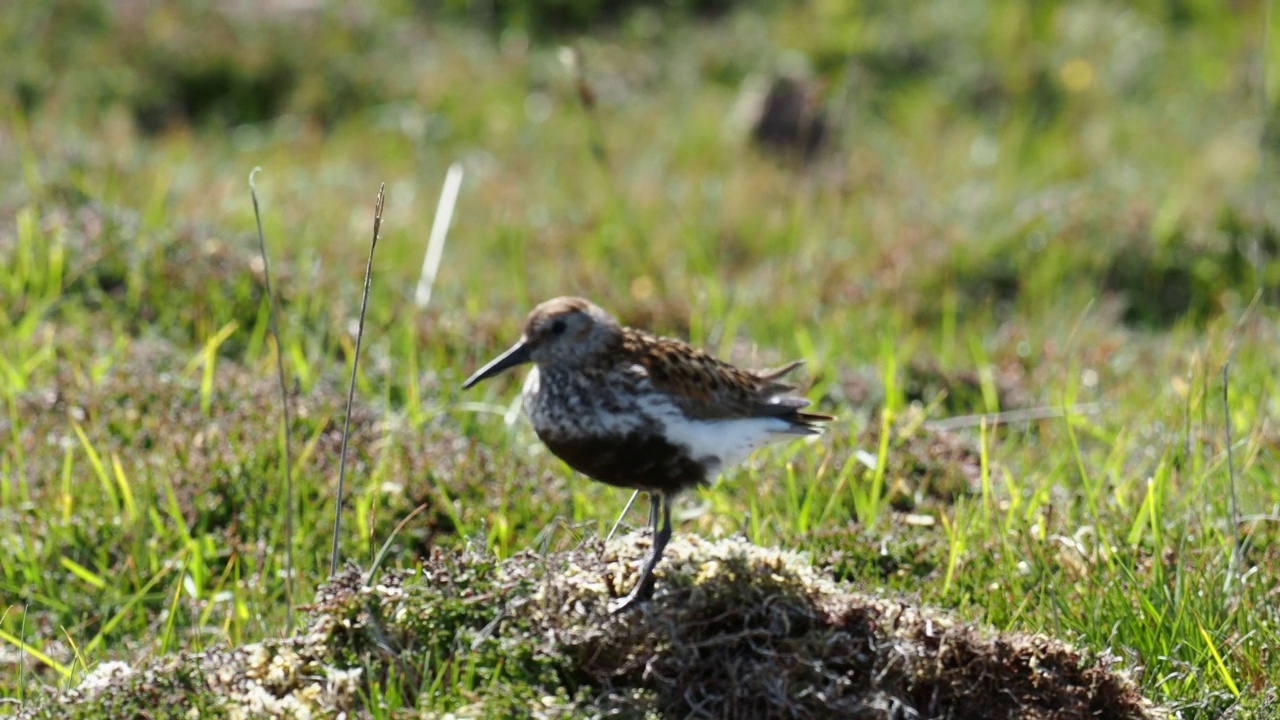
x,y
517,354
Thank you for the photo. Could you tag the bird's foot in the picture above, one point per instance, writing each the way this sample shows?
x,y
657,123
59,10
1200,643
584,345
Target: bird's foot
x,y
642,591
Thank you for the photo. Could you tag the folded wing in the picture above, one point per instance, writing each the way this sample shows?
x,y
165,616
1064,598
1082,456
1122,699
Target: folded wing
x,y
706,388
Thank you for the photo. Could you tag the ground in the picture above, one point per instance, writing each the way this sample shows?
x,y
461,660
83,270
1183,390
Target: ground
x,y
736,631
1032,268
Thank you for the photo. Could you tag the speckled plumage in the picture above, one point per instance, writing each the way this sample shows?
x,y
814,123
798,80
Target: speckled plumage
x,y
638,411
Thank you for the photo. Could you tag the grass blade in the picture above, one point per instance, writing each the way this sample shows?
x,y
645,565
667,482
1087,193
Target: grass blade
x,y
83,572
1218,664
26,649
386,546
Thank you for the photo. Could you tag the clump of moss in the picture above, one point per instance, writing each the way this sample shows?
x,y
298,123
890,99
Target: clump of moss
x,y
735,630
291,678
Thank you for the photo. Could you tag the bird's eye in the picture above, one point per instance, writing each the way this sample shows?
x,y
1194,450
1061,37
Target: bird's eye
x,y
557,327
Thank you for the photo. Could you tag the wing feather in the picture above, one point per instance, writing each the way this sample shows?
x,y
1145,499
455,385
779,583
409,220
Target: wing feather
x,y
710,389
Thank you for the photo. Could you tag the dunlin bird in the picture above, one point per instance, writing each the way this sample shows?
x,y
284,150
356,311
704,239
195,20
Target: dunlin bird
x,y
649,413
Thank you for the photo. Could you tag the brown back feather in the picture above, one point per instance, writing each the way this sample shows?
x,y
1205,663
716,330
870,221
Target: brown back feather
x,y
710,389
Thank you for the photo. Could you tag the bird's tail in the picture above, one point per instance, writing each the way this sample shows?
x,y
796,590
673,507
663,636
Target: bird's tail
x,y
799,423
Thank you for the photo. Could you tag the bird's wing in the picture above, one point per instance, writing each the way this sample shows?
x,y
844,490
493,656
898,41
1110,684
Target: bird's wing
x,y
709,389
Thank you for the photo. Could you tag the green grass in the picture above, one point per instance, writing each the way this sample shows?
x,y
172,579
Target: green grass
x,y
1029,208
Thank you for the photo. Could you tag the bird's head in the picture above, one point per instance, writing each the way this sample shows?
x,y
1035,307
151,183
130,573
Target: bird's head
x,y
561,331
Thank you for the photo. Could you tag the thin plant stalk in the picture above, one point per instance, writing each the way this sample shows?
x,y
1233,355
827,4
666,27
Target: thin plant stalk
x,y
1231,475
284,406
22,655
351,389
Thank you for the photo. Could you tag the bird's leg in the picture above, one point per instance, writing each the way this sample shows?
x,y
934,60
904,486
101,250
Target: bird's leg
x,y
644,586
617,523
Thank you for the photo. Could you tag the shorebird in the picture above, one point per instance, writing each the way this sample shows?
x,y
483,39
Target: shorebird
x,y
648,413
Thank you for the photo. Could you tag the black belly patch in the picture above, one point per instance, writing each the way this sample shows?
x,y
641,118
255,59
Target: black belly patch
x,y
640,461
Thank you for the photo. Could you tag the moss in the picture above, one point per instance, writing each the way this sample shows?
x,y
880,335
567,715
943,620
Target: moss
x,y
735,630
173,688
742,631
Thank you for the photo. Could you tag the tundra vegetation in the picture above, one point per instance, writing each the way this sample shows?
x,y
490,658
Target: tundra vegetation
x,y
1027,251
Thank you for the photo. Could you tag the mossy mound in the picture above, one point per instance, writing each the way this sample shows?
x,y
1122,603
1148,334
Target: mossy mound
x,y
734,631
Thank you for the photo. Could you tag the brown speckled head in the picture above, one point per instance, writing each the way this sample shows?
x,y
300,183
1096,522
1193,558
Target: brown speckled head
x,y
564,331
569,330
